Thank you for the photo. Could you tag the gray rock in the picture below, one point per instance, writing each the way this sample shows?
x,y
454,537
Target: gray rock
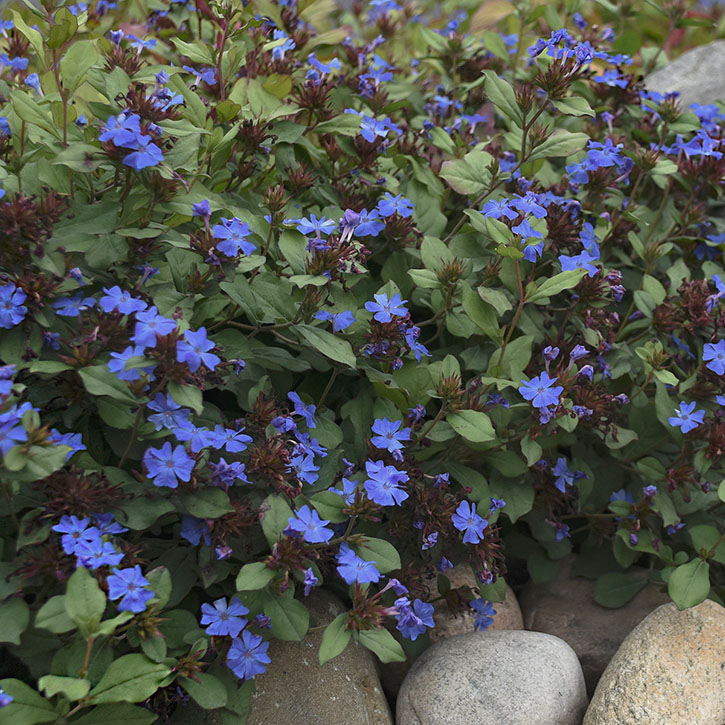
x,y
295,690
494,678
565,607
669,671
698,74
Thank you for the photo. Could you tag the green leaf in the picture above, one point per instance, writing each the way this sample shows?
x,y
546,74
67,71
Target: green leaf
x,y
118,714
71,687
54,617
275,515
253,576
472,425
383,644
207,503
34,36
330,345
614,590
30,111
334,638
666,377
290,618
706,538
496,298
197,52
519,497
98,380
502,96
464,178
557,283
75,63
330,505
662,504
131,678
574,106
27,707
689,583
160,584
531,449
481,314
209,692
560,143
84,601
15,616
382,552
187,395
109,626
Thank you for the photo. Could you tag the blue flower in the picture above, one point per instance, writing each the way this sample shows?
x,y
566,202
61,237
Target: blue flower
x,y
199,437
97,553
233,234
348,491
75,531
208,75
128,585
149,324
224,619
496,504
11,433
385,309
496,208
369,224
383,484
120,359
309,446
417,348
306,411
715,354
233,441
118,299
565,477
354,569
194,350
340,320
528,204
389,435
106,524
5,698
278,52
712,300
484,614
540,392
413,620
583,260
303,466
140,43
308,522
202,209
467,520
73,440
225,474
686,418
247,657
73,306
169,414
313,225
193,529
311,581
612,78
166,466
389,205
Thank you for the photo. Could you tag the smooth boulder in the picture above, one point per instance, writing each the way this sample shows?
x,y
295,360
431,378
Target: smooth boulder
x,y
296,690
669,671
565,607
698,74
494,678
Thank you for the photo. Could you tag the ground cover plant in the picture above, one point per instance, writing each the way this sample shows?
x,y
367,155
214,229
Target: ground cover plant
x,y
295,299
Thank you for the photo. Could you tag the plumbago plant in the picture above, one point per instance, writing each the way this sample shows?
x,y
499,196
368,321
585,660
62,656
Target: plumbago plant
x,y
289,303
